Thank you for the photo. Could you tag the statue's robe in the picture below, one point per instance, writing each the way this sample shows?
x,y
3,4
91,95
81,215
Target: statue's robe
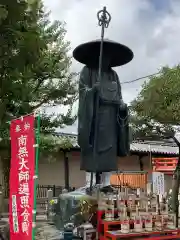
x,y
112,122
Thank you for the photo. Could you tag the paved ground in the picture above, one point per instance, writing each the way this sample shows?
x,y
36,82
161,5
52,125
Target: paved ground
x,y
44,231
47,232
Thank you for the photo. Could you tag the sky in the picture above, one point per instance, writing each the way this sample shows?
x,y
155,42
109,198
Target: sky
x,y
151,28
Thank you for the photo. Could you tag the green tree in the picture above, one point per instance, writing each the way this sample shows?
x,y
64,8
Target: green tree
x,y
156,110
159,99
158,103
34,69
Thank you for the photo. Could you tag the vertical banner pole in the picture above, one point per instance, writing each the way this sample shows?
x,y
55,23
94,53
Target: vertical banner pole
x,y
36,174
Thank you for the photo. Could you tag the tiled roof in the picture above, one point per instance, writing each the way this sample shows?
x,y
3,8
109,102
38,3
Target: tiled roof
x,y
155,148
136,146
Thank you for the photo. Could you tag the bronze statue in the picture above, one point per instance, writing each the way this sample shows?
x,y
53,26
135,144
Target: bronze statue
x,y
103,130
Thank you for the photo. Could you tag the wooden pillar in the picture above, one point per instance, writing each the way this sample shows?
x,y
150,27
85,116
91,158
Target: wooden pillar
x,y
141,163
66,170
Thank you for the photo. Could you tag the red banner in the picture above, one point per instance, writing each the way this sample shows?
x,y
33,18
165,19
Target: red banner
x,y
21,199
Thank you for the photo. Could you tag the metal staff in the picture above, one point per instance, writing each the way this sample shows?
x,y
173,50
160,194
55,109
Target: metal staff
x,y
104,19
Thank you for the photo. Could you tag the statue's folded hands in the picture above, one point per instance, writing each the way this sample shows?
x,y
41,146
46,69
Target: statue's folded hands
x,y
122,105
96,86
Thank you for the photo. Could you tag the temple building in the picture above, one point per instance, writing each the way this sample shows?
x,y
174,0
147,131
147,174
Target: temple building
x,y
144,156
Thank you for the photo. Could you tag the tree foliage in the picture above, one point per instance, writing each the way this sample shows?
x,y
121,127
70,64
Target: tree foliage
x,y
34,66
156,111
158,103
53,143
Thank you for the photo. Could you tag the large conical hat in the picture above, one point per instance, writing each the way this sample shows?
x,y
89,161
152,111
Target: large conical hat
x,y
88,53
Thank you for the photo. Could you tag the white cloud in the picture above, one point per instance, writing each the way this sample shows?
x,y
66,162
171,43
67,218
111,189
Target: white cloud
x,y
152,33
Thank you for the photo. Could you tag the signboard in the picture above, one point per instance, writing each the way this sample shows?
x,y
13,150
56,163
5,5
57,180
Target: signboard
x,y
21,199
164,164
158,183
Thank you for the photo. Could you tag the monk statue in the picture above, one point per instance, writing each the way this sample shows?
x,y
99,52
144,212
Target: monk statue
x,y
107,122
